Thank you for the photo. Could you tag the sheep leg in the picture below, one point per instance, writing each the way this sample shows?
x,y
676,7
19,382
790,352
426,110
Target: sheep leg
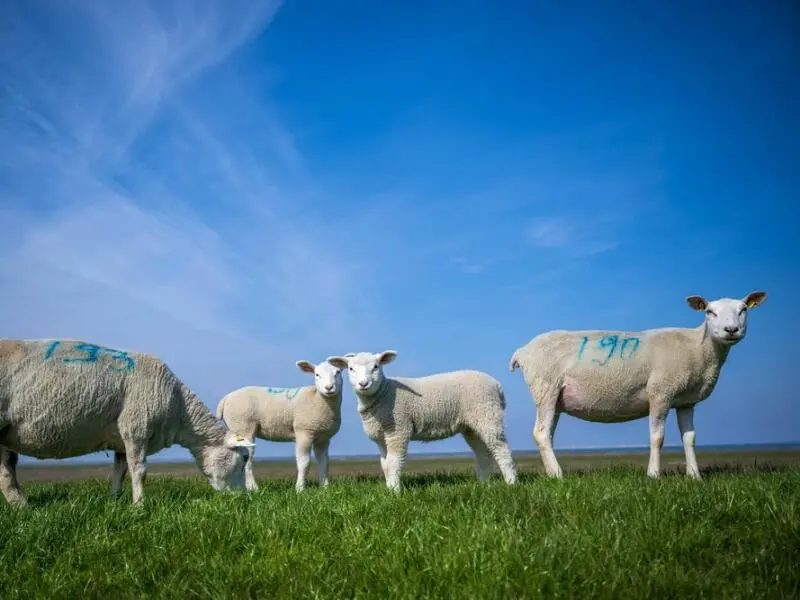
x,y
383,451
543,431
658,417
498,447
8,478
249,477
302,452
396,453
321,455
686,426
483,459
118,475
136,455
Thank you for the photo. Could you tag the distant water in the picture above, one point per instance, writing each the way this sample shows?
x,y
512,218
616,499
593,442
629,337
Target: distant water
x,y
101,458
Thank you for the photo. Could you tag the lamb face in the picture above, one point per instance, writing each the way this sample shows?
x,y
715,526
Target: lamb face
x,y
726,318
365,369
327,377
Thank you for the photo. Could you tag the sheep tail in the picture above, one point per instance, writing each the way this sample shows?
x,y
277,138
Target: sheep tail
x,y
514,363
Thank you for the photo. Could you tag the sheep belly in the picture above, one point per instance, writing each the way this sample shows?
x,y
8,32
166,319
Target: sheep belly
x,y
435,421
603,405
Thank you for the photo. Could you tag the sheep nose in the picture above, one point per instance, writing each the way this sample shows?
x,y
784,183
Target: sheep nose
x,y
328,388
731,329
363,384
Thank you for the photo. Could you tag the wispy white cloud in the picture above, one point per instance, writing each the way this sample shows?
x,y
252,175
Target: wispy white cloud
x,y
135,213
577,238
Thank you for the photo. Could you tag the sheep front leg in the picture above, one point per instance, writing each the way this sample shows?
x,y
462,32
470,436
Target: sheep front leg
x,y
118,475
321,454
136,455
382,449
686,427
249,477
8,478
302,452
658,416
396,453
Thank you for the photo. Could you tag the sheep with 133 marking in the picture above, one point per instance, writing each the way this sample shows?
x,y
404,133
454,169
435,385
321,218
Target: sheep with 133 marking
x,y
310,416
616,376
65,398
396,410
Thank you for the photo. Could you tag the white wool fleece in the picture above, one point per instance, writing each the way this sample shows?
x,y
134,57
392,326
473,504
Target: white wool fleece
x,y
613,376
309,416
64,398
395,410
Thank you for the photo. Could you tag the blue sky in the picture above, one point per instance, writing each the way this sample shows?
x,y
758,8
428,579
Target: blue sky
x,y
236,186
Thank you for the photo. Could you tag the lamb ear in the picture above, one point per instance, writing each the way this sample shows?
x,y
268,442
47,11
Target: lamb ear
x,y
697,302
753,299
338,361
387,356
306,366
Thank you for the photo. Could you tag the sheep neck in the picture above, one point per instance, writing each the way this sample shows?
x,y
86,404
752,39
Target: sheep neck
x,y
199,428
364,407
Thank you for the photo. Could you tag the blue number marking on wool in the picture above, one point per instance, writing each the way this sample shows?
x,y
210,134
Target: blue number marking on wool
x,y
90,353
607,341
625,342
288,392
609,344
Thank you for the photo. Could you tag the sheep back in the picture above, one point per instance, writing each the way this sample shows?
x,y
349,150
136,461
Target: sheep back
x,y
435,406
63,398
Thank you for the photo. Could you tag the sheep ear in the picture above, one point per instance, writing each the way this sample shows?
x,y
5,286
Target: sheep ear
x,y
237,441
753,299
350,355
697,303
337,361
387,356
305,366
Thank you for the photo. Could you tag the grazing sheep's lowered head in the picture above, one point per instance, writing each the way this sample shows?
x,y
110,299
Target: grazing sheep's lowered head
x,y
726,318
327,377
223,464
364,369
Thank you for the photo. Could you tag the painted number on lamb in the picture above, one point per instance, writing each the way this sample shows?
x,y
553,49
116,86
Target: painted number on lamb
x,y
288,392
608,344
90,353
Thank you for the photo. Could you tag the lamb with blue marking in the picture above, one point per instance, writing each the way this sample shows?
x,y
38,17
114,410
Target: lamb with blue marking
x,y
616,376
309,416
396,410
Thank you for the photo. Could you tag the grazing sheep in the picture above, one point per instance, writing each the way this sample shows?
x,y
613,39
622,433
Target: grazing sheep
x,y
395,410
65,398
616,376
310,416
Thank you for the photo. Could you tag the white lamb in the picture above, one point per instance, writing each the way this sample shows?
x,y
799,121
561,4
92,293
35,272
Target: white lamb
x,y
310,416
616,376
399,409
65,398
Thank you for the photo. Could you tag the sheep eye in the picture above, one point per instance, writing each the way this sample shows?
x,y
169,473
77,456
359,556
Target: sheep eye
x,y
711,312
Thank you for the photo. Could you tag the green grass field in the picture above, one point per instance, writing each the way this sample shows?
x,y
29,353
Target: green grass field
x,y
604,531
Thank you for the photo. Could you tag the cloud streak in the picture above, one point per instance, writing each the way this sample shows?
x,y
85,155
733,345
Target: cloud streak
x,y
134,213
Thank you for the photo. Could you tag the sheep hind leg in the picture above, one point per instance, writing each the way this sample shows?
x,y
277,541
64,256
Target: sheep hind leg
x,y
118,474
8,478
543,431
497,444
483,458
